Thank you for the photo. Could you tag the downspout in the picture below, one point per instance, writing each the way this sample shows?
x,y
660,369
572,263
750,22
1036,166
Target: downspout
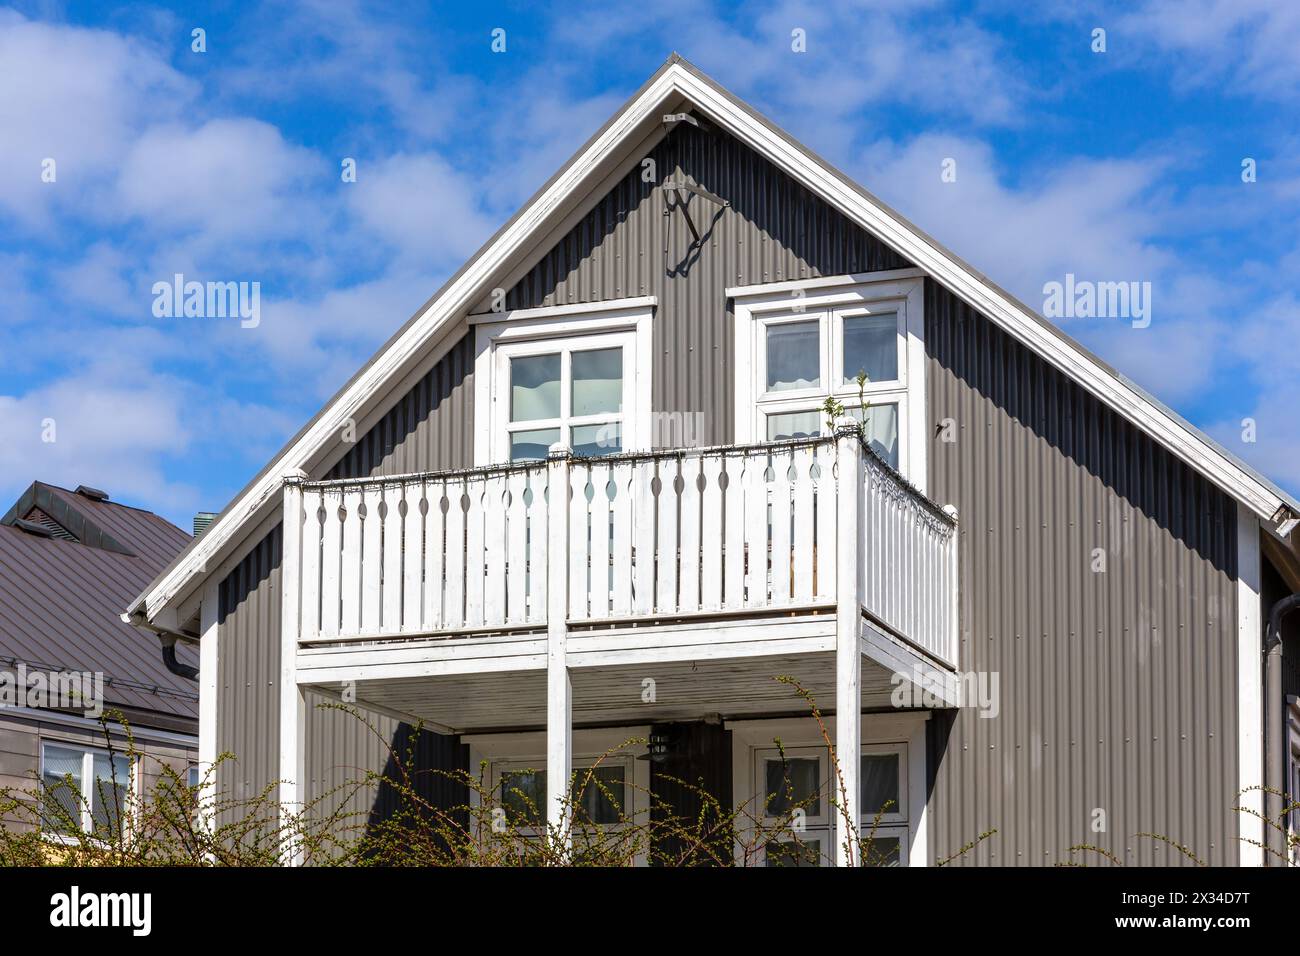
x,y
1274,749
169,640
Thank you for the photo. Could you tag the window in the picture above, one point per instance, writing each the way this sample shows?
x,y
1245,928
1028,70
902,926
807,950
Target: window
x,y
799,788
522,791
855,341
192,778
577,375
573,394
84,790
793,789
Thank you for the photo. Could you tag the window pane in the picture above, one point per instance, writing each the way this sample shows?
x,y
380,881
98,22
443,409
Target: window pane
x,y
533,445
791,784
534,387
108,801
597,381
523,795
879,786
794,425
788,853
871,346
882,851
881,431
61,805
591,441
793,356
595,804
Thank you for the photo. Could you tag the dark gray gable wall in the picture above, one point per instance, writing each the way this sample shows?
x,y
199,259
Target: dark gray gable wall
x,y
774,230
1118,690
430,428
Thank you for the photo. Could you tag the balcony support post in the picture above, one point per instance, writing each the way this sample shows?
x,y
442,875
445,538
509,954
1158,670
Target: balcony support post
x,y
848,646
559,686
293,705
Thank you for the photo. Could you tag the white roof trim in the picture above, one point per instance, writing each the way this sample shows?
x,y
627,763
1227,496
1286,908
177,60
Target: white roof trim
x,y
681,80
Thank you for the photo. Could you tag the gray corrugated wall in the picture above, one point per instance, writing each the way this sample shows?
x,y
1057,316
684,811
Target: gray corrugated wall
x,y
774,230
430,428
1118,689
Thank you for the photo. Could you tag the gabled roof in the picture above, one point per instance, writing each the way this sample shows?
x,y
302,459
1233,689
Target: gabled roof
x,y
677,86
68,564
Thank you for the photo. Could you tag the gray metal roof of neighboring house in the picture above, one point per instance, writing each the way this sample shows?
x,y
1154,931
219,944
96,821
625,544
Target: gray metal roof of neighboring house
x,y
61,600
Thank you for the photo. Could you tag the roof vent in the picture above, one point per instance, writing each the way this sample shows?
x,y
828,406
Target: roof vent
x,y
203,521
51,527
31,527
94,494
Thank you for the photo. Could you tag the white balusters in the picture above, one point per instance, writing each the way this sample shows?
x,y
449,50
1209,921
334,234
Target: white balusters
x,y
643,536
391,582
372,559
668,504
516,548
350,570
688,573
677,533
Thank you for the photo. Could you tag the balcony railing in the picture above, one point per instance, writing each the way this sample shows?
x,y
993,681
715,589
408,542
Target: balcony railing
x,y
654,536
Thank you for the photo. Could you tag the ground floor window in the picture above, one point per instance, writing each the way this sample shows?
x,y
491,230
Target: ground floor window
x,y
786,795
599,793
84,790
796,790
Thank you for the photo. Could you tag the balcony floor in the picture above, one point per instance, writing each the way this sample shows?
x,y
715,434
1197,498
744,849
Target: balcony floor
x,y
725,668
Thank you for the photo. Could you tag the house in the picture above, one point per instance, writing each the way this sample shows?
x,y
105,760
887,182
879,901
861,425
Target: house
x,y
69,561
1031,598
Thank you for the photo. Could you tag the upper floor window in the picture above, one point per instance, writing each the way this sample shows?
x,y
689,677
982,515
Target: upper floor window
x,y
570,392
851,342
572,375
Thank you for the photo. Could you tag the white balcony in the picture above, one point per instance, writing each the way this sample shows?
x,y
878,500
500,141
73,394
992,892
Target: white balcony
x,y
619,591
656,537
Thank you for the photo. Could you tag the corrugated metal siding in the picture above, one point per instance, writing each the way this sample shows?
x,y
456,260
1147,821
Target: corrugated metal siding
x,y
429,428
1118,689
340,748
774,230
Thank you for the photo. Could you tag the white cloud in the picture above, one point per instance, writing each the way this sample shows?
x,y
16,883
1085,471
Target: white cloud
x,y
230,179
78,96
1250,44
427,212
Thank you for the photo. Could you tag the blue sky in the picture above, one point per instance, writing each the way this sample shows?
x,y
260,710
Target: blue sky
x,y
225,165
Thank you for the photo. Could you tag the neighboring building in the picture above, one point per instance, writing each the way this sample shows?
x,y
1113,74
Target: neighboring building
x,y
69,562
1027,533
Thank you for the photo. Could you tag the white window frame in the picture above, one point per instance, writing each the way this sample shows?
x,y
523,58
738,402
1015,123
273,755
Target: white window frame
x,y
524,751
88,755
625,323
904,734
829,301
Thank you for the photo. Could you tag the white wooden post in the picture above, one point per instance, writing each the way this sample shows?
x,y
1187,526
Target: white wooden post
x,y
848,654
208,663
559,688
293,707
